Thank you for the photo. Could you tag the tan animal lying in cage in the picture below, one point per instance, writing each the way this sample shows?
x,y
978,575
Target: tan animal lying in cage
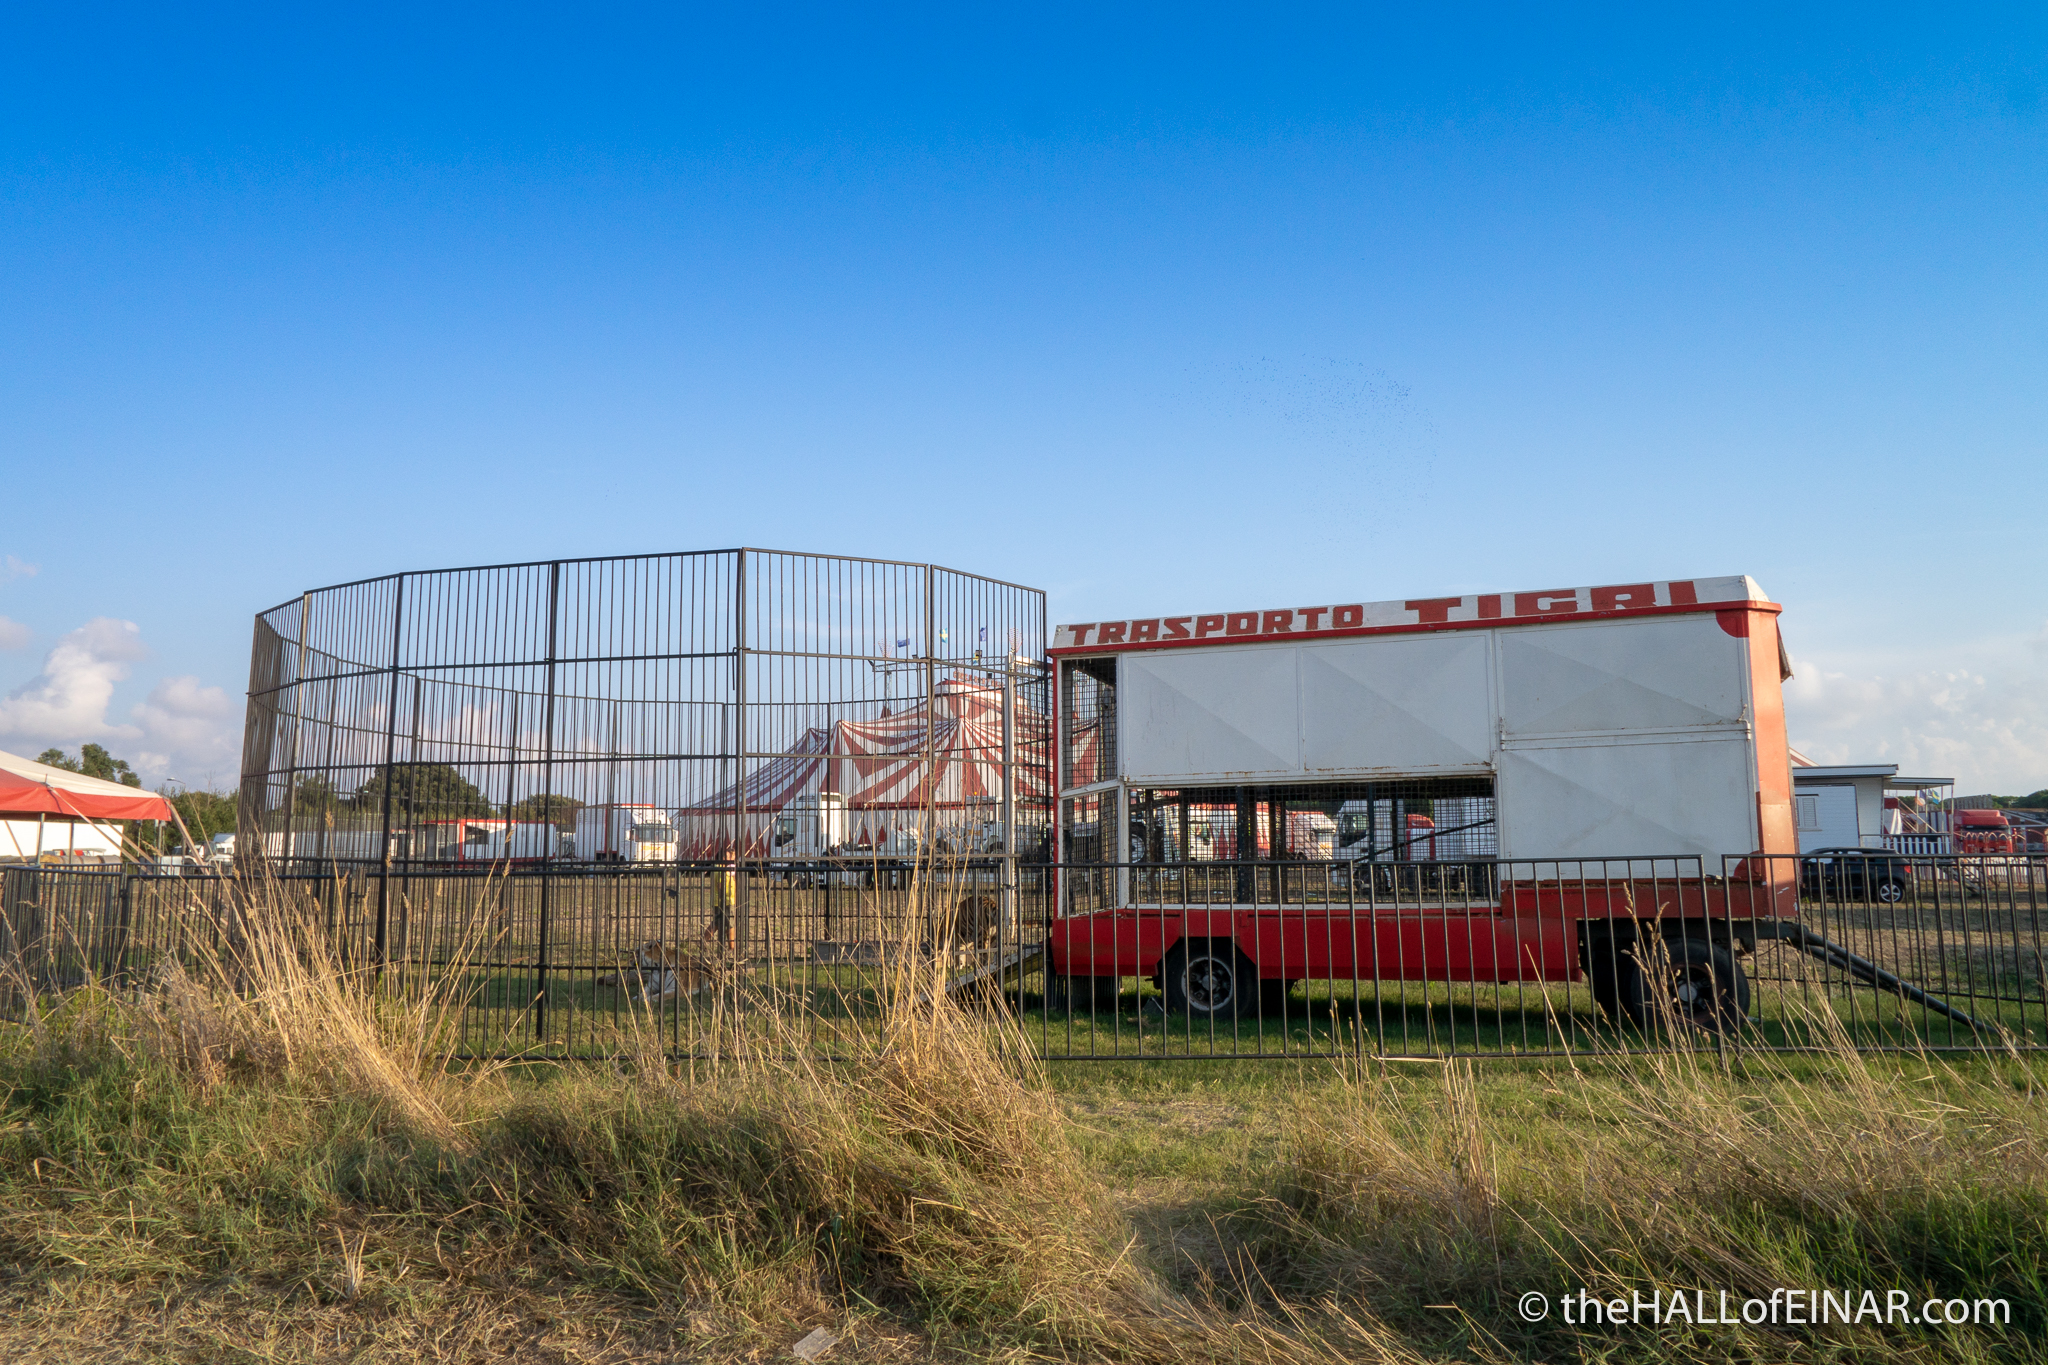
x,y
976,923
660,971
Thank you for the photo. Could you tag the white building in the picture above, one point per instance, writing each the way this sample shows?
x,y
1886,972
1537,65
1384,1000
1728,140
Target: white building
x,y
27,839
1868,805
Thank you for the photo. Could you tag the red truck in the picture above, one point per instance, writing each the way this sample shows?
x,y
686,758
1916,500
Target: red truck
x,y
1984,833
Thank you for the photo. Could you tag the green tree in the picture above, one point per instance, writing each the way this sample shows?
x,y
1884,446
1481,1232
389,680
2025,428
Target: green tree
x,y
315,796
560,809
92,761
423,791
206,813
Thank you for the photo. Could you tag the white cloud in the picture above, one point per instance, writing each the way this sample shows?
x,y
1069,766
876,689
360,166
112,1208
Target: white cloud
x,y
188,730
183,729
13,634
1982,720
67,702
12,568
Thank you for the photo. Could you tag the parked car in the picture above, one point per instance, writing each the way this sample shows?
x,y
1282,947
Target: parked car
x,y
1854,874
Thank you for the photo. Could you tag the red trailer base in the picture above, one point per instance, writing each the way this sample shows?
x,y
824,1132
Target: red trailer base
x,y
1531,933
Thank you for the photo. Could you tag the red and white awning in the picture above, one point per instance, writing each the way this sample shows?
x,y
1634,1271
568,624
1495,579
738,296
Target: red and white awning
x,y
31,788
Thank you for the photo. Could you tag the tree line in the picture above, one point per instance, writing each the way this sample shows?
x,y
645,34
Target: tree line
x,y
424,791
418,791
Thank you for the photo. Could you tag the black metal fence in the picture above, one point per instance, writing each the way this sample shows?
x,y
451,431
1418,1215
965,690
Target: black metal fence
x,y
1136,961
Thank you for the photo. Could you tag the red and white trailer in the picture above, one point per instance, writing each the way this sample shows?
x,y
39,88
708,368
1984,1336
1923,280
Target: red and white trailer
x,y
1609,756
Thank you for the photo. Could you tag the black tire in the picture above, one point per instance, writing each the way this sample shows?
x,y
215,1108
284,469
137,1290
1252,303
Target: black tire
x,y
1891,891
1207,979
1611,971
1695,982
1081,994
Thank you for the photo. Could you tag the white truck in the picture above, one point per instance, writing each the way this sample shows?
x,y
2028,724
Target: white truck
x,y
625,833
809,827
217,854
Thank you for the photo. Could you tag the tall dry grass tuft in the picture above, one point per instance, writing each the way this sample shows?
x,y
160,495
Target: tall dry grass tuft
x,y
267,995
924,1172
1426,1174
280,978
1692,1168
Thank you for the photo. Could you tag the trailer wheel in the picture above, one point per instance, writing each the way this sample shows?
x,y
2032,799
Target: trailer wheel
x,y
1207,979
1696,981
1692,980
1613,974
1078,993
1709,987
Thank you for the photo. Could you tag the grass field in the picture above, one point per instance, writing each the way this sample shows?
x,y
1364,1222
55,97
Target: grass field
x,y
265,1160
1130,1211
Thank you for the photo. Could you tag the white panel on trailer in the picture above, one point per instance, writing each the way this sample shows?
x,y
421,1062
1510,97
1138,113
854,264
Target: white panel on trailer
x,y
1608,799
1226,713
1609,730
1668,673
1404,703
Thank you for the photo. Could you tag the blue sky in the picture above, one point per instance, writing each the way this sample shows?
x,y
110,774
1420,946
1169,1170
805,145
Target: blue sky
x,y
1157,309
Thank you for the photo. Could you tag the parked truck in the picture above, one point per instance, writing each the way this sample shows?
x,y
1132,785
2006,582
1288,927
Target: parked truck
x,y
810,827
1983,834
624,833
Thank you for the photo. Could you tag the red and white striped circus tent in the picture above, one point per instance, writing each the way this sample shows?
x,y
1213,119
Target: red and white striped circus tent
x,y
886,771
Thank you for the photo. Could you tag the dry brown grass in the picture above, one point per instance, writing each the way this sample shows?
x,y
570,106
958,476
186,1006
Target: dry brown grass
x,y
269,1158
1682,1170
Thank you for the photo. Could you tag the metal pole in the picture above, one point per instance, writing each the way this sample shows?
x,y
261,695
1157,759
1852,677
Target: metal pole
x,y
390,751
611,786
119,948
327,768
1120,857
291,788
1006,907
739,766
547,813
930,714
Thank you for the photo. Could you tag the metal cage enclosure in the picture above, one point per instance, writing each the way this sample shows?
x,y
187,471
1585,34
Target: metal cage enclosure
x,y
605,736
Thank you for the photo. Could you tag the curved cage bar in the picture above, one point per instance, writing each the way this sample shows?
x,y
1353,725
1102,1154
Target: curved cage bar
x,y
653,708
